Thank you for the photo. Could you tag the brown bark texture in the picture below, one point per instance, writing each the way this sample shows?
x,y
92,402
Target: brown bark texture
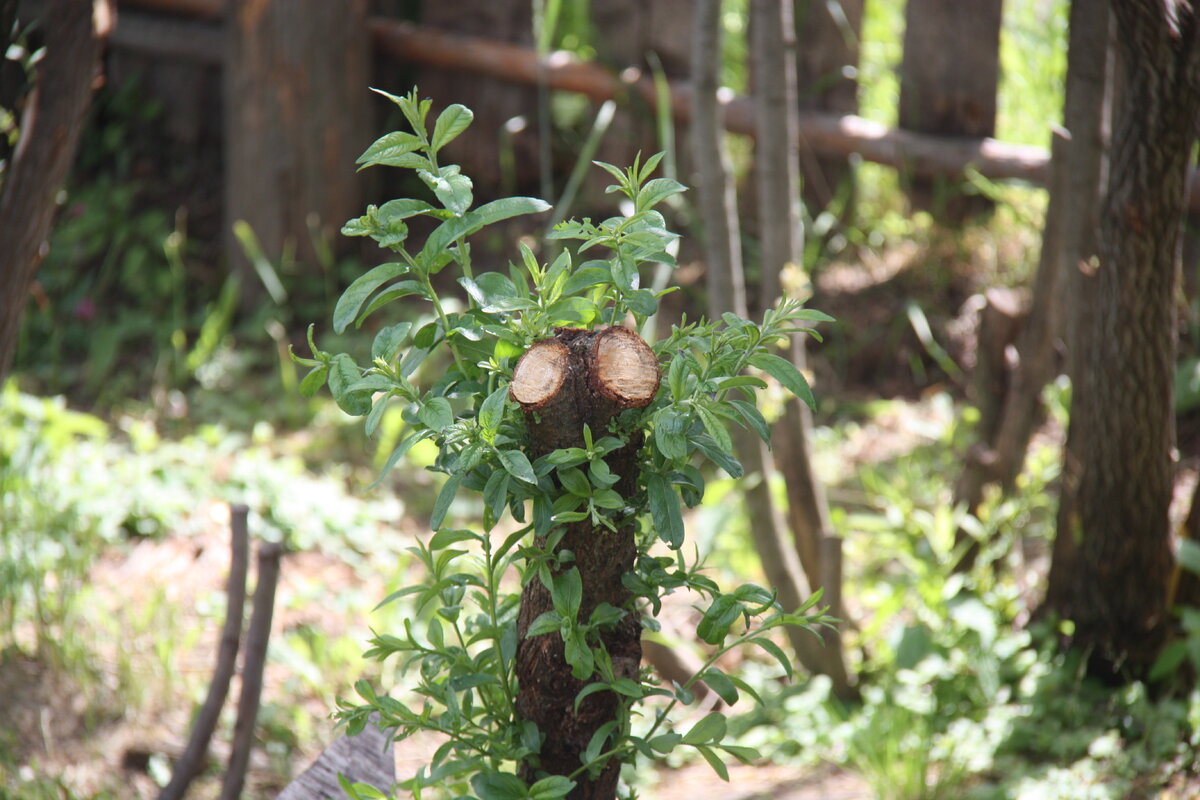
x,y
948,80
479,149
296,114
1117,590
579,378
1087,110
827,48
50,130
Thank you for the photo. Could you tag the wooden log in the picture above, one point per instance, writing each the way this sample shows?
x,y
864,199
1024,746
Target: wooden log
x,y
581,378
368,758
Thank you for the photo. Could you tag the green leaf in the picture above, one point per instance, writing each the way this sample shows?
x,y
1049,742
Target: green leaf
x,y
395,149
721,458
397,454
714,761
450,537
670,425
551,788
567,593
656,191
720,683
642,302
444,498
665,742
436,413
517,464
664,510
575,482
499,786
357,292
716,428
709,729
388,340
454,229
586,277
578,655
546,622
786,373
753,418
590,689
314,380
450,123
393,292
495,492
452,188
776,651
1169,660
343,374
491,412
719,618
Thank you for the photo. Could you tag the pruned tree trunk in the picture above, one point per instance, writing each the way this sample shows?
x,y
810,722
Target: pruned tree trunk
x,y
827,48
581,378
1116,593
296,113
777,175
948,83
50,130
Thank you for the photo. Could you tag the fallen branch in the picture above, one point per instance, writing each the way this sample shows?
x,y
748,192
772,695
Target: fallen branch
x,y
190,763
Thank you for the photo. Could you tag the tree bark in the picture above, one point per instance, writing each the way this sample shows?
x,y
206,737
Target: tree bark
x,y
827,38
581,378
780,237
948,86
1086,113
50,131
296,118
479,149
1117,591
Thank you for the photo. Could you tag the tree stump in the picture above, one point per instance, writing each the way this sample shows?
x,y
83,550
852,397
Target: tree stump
x,y
579,378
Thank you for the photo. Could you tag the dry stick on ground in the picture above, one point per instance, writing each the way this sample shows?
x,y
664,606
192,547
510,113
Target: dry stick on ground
x,y
50,129
581,378
257,637
194,754
780,235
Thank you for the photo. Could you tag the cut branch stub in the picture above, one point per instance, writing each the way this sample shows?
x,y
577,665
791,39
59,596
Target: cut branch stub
x,y
579,378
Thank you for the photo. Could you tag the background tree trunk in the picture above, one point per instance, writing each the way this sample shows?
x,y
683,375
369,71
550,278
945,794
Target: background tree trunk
x,y
781,244
827,47
1086,113
50,130
1117,590
948,83
296,118
502,144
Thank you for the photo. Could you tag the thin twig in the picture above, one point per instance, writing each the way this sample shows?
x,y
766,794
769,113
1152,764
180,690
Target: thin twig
x,y
189,764
253,663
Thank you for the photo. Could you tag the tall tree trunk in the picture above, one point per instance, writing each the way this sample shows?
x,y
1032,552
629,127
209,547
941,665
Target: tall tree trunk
x,y
780,233
1117,590
50,130
948,86
296,117
827,39
1086,111
717,210
1068,240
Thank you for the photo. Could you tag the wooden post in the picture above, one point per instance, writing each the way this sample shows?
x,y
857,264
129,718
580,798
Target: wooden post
x,y
296,118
